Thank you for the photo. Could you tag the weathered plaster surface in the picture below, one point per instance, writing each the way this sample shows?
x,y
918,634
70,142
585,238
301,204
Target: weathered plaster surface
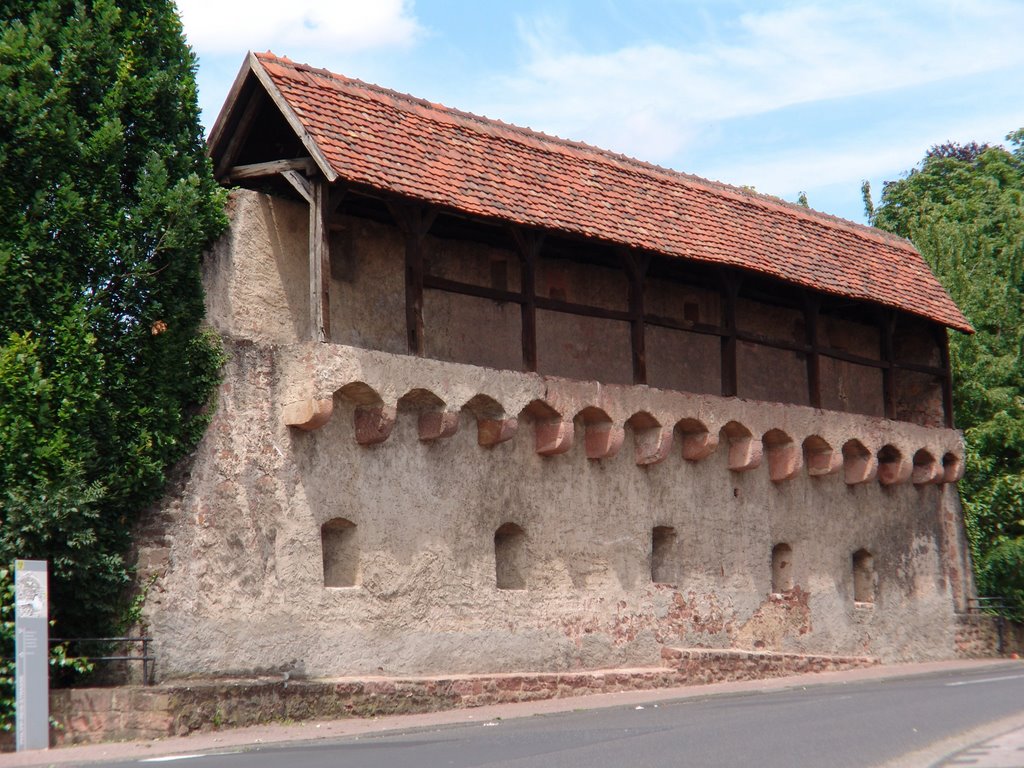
x,y
429,458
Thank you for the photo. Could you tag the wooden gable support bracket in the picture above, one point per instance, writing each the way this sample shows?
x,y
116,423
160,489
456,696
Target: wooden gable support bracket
x,y
415,221
323,201
636,264
529,244
730,293
272,168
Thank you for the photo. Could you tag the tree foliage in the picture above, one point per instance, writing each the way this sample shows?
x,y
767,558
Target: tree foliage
x,y
963,207
108,202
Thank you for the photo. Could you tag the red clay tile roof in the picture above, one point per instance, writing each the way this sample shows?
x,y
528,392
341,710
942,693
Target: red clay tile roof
x,y
411,147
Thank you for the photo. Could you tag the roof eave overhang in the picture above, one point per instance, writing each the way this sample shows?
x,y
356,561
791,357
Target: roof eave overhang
x,y
252,68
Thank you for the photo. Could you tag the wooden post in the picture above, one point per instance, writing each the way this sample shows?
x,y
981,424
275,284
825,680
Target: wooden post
x,y
317,194
812,306
730,291
414,221
528,243
636,265
319,262
888,327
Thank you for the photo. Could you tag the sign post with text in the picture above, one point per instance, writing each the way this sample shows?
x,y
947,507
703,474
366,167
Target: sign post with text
x,y
32,653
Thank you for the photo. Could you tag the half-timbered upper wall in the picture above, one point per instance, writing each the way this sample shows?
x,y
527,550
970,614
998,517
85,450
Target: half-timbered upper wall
x,y
259,273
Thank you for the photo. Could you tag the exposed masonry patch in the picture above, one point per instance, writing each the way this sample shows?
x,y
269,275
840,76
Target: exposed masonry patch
x,y
602,417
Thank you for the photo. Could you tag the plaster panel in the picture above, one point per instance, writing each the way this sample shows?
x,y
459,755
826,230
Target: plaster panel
x,y
850,387
765,373
368,286
690,362
257,275
466,329
581,347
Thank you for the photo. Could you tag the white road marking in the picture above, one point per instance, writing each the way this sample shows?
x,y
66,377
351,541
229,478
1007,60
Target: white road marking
x,y
168,758
986,680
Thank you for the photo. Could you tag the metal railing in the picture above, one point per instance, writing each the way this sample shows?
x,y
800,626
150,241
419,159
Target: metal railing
x,y
74,646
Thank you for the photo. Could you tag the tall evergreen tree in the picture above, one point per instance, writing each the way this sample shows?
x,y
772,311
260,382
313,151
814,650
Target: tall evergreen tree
x,y
108,201
963,207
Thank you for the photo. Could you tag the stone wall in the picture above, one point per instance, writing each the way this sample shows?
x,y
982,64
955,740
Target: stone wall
x,y
354,511
92,715
980,636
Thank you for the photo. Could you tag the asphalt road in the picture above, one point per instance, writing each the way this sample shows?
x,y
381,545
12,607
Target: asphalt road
x,y
851,724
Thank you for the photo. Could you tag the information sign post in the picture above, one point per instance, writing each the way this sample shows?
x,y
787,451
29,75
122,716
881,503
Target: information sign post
x,y
32,652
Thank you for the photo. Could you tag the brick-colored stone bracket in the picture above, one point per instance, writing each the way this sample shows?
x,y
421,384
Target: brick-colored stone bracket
x,y
822,463
435,425
653,445
307,414
784,461
490,432
745,454
373,424
895,472
553,437
603,440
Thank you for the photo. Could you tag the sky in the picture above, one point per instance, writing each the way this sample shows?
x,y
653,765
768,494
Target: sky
x,y
786,97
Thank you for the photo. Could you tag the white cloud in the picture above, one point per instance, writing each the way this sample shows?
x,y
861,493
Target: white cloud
x,y
653,100
313,27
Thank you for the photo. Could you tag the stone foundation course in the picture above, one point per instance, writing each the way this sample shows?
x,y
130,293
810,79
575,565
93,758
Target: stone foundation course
x,y
90,715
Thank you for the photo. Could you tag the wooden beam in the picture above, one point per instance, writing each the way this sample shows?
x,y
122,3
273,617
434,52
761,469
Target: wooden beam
x,y
683,325
570,308
319,262
300,184
271,168
414,220
812,306
636,264
528,243
730,292
887,326
469,289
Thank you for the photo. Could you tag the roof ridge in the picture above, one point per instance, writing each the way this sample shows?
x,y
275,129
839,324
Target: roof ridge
x,y
590,151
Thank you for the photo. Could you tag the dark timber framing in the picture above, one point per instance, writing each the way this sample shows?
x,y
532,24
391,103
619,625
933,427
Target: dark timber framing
x,y
415,220
528,243
812,306
636,264
730,335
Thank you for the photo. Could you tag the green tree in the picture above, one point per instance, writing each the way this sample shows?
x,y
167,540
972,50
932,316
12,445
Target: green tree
x,y
963,207
108,202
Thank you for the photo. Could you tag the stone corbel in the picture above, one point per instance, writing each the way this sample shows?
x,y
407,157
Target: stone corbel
x,y
307,414
553,437
698,445
653,445
745,453
434,425
373,423
895,472
784,461
490,431
603,440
